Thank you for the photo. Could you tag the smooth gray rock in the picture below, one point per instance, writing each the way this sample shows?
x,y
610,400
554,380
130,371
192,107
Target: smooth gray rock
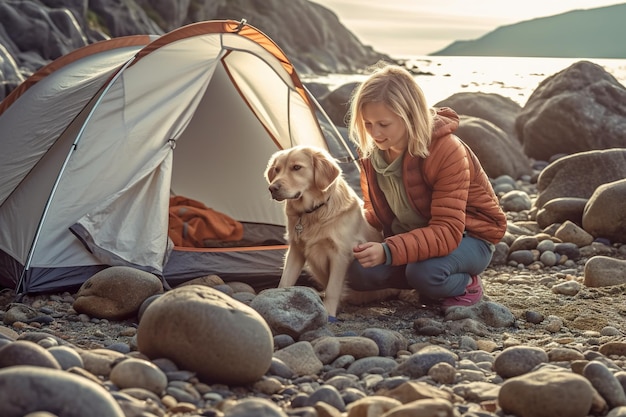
x,y
300,358
22,352
518,360
605,213
25,389
418,364
251,407
139,373
516,200
559,210
66,356
116,292
605,382
364,365
485,312
604,271
292,311
389,341
546,393
579,175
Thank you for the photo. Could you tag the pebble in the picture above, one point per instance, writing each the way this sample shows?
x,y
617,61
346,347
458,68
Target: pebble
x,y
518,360
66,357
444,373
300,358
23,352
605,383
418,364
138,373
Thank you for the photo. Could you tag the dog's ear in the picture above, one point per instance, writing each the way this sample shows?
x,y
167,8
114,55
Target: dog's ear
x,y
325,170
270,173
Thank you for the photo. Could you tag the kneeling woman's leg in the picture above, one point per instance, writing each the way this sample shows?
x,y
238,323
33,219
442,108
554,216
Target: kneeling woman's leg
x,y
376,278
447,276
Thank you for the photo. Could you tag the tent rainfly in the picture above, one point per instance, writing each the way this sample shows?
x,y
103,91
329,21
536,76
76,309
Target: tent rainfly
x,y
94,145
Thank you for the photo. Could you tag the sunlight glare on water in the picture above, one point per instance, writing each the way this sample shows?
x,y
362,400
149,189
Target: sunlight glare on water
x,y
513,77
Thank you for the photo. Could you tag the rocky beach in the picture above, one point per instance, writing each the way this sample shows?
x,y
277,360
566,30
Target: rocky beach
x,y
546,340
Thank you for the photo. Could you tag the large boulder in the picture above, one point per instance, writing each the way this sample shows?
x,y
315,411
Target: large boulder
x,y
123,18
337,102
310,35
578,109
498,154
47,32
499,110
205,331
579,175
488,127
10,75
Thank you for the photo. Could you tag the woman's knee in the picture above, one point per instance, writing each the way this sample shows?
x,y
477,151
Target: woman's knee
x,y
429,268
423,275
433,282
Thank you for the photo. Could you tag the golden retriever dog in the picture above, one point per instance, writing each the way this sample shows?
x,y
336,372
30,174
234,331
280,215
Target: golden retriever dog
x,y
325,220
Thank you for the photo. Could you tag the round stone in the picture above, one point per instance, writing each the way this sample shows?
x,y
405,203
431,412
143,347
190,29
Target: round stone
x,y
206,331
26,389
116,293
22,352
139,373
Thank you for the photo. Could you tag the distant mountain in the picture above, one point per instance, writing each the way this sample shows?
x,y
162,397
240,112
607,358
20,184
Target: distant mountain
x,y
591,33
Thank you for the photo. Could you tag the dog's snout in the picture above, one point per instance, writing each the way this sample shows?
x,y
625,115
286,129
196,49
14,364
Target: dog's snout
x,y
274,187
275,191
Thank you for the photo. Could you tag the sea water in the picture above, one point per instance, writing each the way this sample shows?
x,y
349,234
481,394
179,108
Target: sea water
x,y
512,77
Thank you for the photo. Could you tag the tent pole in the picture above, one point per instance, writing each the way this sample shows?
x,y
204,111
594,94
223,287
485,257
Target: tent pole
x,y
57,181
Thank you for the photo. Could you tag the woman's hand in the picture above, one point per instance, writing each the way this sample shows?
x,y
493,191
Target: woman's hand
x,y
369,254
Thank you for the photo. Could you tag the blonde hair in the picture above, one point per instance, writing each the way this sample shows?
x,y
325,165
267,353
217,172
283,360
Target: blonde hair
x,y
395,87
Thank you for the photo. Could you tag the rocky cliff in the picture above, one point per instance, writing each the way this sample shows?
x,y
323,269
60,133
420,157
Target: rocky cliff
x,y
35,32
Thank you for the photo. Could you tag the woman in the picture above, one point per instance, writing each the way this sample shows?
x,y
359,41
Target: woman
x,y
425,189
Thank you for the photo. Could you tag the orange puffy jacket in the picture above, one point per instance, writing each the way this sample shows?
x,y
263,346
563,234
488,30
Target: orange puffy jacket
x,y
449,188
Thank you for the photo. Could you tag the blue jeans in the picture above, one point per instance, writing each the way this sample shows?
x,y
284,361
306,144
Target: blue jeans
x,y
445,276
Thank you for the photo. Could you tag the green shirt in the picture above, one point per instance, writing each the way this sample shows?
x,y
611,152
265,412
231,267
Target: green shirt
x,y
389,177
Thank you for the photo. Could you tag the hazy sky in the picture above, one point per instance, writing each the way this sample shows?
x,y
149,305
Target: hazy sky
x,y
419,27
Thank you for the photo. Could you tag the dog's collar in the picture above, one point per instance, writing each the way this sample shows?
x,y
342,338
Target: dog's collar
x,y
316,207
299,227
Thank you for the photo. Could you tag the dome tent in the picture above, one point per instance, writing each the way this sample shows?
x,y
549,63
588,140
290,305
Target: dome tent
x,y
94,144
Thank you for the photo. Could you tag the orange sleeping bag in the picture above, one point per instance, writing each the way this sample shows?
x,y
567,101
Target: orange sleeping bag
x,y
191,223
